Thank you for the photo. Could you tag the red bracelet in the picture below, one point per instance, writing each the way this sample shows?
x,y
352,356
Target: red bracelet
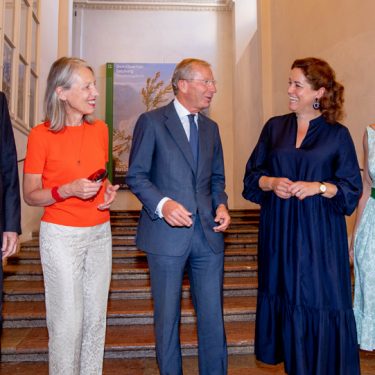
x,y
55,194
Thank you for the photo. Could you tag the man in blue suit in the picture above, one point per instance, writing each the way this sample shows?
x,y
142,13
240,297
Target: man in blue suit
x,y
177,171
10,211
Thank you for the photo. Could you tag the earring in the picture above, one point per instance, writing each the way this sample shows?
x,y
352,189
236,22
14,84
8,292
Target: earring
x,y
316,104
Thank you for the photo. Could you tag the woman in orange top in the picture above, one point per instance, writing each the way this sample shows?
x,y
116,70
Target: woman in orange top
x,y
75,233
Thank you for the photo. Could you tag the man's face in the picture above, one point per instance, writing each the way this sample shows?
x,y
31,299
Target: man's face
x,y
196,91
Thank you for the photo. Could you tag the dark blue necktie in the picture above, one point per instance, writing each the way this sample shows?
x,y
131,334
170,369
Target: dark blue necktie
x,y
193,137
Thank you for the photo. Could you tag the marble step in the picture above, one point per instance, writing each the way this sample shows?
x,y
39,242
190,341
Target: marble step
x,y
135,270
33,290
135,341
18,314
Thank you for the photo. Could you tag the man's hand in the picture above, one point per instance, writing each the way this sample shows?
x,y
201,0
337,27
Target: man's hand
x,y
10,241
222,217
176,215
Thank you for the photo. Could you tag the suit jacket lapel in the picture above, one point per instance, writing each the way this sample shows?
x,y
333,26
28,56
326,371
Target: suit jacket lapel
x,y
203,137
176,129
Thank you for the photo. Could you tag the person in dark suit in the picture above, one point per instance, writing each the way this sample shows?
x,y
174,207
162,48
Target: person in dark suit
x,y
10,211
181,187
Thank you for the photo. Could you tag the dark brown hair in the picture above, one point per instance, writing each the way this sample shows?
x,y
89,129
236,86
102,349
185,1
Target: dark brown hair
x,y
319,74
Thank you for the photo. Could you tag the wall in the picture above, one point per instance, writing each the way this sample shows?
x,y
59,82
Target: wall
x,y
250,58
165,36
339,31
247,103
47,53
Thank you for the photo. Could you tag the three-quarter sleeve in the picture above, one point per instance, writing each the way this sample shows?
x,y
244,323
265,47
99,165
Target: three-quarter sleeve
x,y
347,176
256,167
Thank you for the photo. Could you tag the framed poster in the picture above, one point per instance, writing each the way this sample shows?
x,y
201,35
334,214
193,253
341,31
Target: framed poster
x,y
131,89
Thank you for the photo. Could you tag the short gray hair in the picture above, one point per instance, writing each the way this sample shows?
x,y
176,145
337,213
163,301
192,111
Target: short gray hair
x,y
61,74
184,70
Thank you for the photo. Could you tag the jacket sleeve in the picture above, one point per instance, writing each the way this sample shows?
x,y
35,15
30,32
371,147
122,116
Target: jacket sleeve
x,y
256,167
138,177
11,210
218,175
347,176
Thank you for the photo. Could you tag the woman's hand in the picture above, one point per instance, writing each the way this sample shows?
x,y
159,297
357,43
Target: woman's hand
x,y
303,189
80,188
351,249
109,196
279,185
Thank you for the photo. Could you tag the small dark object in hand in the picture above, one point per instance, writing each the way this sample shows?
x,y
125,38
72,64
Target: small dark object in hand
x,y
98,176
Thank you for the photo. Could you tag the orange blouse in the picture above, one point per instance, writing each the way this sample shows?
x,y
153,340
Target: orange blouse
x,y
72,153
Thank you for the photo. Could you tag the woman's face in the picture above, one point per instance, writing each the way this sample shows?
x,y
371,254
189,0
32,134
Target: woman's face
x,y
80,98
301,94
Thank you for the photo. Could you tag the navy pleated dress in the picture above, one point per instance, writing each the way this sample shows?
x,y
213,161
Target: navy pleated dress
x,y
304,304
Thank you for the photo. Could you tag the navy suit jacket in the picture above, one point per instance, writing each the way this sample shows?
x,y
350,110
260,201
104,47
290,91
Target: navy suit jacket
x,y
161,165
10,212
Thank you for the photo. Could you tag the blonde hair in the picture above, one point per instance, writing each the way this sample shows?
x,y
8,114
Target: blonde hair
x,y
184,69
61,74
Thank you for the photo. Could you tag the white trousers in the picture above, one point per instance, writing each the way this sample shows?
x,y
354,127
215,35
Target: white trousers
x,y
77,265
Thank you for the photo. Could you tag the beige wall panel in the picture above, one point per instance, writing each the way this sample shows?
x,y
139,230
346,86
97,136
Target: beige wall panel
x,y
339,31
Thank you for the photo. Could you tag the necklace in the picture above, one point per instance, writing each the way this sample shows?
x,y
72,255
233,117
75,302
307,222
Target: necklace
x,y
82,129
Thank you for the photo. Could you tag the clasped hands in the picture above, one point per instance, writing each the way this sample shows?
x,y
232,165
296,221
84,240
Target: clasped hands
x,y
176,215
285,188
86,189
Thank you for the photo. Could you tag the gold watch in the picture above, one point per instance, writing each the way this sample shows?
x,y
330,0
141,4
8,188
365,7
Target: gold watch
x,y
322,188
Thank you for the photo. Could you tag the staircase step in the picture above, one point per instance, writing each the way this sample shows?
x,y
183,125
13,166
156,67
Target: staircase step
x,y
129,243
249,231
31,344
19,314
132,223
130,312
135,270
238,364
236,249
33,290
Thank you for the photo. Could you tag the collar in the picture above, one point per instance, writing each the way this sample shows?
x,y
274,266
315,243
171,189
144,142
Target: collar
x,y
181,110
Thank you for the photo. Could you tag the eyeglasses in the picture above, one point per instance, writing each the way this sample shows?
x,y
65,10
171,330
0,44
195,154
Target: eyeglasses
x,y
206,82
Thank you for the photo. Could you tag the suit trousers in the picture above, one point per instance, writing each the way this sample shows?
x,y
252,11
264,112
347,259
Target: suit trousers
x,y
77,263
205,270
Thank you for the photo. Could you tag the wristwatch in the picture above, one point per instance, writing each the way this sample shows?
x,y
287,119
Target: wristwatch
x,y
322,188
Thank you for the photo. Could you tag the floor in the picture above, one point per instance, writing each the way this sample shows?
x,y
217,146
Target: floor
x,y
238,365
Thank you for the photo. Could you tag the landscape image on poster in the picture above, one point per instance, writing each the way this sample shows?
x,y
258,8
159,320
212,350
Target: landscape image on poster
x,y
136,88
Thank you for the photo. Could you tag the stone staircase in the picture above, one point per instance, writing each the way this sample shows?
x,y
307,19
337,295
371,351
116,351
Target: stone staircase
x,y
130,314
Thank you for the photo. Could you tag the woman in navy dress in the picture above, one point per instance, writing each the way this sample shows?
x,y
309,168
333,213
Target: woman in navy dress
x,y
304,173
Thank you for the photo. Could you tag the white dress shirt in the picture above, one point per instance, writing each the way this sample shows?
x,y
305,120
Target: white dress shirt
x,y
182,113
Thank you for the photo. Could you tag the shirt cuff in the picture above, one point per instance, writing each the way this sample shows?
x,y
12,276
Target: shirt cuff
x,y
160,205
